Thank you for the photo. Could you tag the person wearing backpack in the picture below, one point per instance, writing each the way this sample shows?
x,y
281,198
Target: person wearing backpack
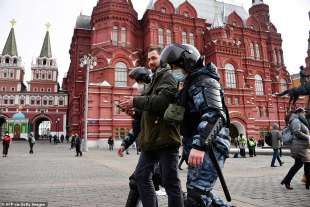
x,y
31,141
6,144
276,139
300,147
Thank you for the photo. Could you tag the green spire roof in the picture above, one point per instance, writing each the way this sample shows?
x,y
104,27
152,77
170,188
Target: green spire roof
x,y
10,47
46,50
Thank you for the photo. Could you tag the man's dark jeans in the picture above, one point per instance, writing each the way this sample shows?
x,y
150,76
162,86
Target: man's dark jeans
x,y
275,156
168,159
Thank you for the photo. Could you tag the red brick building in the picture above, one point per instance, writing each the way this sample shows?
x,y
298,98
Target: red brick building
x,y
245,46
23,109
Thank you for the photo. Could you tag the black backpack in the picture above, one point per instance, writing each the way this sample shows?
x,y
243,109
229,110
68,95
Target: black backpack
x,y
268,139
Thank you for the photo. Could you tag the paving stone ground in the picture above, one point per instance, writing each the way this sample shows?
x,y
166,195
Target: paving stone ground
x,y
100,178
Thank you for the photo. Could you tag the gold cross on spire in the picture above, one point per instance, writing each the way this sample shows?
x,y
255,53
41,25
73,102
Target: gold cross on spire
x,y
13,23
48,26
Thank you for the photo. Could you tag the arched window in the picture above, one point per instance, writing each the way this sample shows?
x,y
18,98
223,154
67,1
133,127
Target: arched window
x,y
51,101
120,74
124,36
275,57
115,36
45,100
191,39
279,57
32,100
61,101
169,37
259,86
160,37
251,50
257,52
283,85
230,76
184,38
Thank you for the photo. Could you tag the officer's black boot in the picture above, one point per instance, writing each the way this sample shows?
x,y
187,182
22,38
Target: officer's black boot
x,y
194,198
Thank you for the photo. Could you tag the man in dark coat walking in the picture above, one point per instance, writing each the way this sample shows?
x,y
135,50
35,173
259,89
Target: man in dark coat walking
x,y
78,142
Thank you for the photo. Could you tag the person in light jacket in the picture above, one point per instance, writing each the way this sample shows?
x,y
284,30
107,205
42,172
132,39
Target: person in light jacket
x,y
300,147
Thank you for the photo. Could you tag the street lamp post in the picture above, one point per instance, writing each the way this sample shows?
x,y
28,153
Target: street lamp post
x,y
58,121
90,62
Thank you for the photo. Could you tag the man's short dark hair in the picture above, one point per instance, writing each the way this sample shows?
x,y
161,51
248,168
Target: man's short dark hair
x,y
157,49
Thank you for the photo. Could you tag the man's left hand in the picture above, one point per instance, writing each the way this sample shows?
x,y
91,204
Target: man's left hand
x,y
196,158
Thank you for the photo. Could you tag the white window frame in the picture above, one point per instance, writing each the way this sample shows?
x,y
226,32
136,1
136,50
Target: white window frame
x,y
230,76
120,74
259,85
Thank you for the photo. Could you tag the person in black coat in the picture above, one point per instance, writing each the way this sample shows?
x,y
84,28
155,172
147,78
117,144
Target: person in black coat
x,y
78,142
62,138
72,142
111,143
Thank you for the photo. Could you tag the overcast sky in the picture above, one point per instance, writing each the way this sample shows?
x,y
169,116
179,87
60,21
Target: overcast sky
x,y
289,16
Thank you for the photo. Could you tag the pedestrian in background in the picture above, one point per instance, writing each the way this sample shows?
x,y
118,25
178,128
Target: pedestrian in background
x,y
55,138
111,143
62,138
78,142
242,143
300,147
252,145
276,139
72,142
31,141
67,138
6,143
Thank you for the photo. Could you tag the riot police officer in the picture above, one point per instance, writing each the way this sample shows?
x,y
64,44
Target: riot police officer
x,y
203,100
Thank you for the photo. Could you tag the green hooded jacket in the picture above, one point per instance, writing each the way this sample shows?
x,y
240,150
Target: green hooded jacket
x,y
157,133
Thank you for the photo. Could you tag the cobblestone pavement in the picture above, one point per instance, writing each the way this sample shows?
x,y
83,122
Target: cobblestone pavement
x,y
100,178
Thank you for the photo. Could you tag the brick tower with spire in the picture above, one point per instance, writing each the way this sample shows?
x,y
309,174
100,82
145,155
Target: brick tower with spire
x,y
11,69
23,111
44,71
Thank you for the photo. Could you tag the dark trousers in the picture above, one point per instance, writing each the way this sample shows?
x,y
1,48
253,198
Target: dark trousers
x,y
78,150
275,156
252,151
242,152
110,147
294,169
6,146
31,148
168,159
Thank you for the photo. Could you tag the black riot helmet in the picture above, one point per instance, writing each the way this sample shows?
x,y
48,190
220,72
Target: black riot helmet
x,y
140,74
184,56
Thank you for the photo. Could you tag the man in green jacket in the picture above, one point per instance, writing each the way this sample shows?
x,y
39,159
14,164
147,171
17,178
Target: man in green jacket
x,y
159,139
